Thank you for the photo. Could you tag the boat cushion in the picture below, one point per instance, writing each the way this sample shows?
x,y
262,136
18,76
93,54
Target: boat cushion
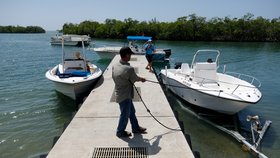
x,y
73,73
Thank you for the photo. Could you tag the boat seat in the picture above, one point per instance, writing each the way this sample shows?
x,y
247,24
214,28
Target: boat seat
x,y
185,69
71,72
205,72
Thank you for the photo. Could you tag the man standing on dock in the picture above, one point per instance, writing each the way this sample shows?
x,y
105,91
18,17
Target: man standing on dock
x,y
124,77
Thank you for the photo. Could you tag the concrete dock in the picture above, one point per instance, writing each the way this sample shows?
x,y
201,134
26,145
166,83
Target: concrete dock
x,y
92,131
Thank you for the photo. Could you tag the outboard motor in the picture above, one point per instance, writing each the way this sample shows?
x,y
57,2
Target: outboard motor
x,y
178,65
167,52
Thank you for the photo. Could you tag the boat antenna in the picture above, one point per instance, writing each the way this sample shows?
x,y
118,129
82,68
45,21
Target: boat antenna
x,y
63,55
84,54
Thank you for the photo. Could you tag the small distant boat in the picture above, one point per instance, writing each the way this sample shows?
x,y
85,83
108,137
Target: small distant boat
x,y
137,48
159,54
70,40
107,51
75,75
201,84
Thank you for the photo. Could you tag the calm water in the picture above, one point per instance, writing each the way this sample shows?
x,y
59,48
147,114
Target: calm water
x,y
32,113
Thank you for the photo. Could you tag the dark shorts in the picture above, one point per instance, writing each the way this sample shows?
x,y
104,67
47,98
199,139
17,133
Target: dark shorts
x,y
149,57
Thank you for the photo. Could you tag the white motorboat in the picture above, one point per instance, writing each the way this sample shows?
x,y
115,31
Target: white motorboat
x,y
200,84
138,49
70,40
107,51
75,75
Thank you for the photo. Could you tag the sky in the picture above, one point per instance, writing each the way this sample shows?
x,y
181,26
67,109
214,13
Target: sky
x,y
52,14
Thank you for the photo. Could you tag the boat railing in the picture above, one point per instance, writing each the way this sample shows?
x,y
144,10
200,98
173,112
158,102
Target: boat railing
x,y
207,81
185,71
251,79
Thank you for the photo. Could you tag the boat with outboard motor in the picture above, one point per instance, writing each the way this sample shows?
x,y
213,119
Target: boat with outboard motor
x,y
75,75
136,47
70,40
134,42
200,84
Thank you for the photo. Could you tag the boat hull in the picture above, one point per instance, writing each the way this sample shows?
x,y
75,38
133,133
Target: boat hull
x,y
107,52
74,91
73,87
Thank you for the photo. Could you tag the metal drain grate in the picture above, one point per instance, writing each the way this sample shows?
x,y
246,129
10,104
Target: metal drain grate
x,y
120,152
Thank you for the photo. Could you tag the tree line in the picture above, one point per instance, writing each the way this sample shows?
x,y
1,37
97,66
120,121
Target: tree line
x,y
21,29
186,28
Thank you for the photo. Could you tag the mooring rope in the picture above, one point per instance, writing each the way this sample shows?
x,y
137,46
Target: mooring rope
x,y
148,110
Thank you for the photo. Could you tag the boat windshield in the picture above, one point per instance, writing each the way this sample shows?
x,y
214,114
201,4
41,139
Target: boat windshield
x,y
209,56
73,55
